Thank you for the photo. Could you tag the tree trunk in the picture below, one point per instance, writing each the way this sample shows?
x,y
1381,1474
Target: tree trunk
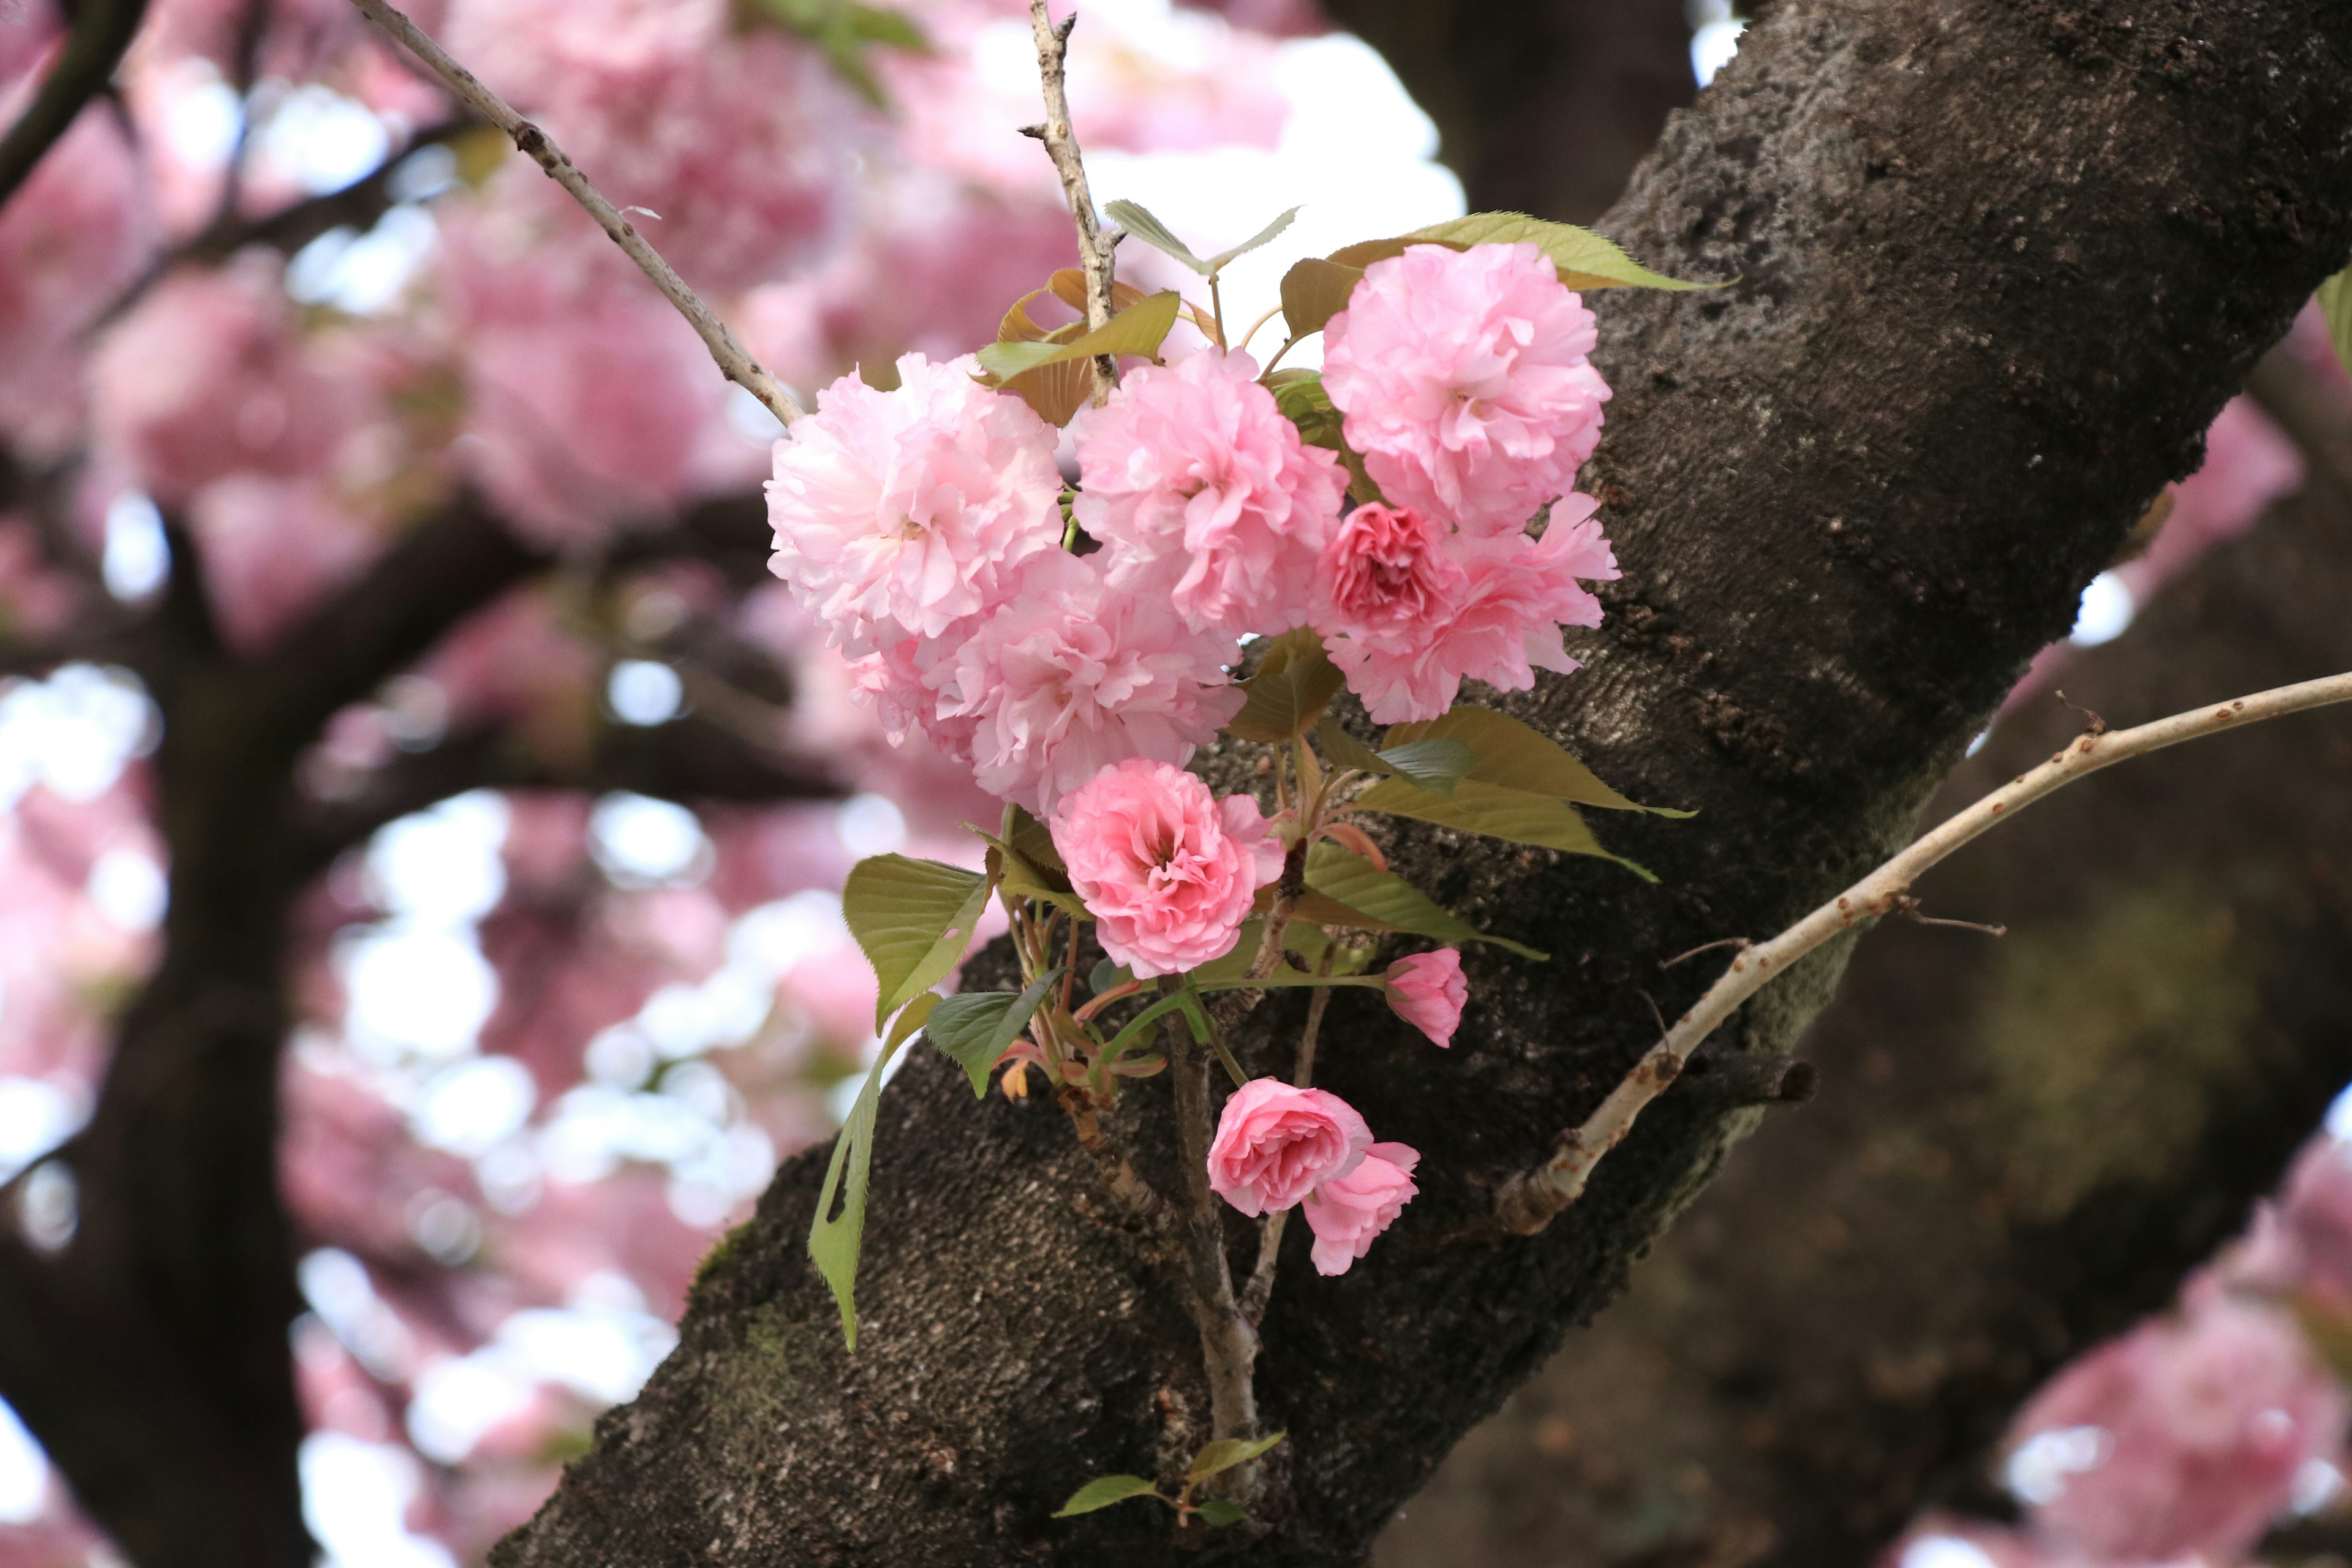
x,y
2020,1146
2000,264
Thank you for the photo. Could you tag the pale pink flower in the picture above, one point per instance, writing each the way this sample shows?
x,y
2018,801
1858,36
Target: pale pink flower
x,y
1068,677
1464,381
899,514
208,376
1198,487
2183,1436
273,551
1500,627
1427,990
1276,1142
1348,1212
1167,869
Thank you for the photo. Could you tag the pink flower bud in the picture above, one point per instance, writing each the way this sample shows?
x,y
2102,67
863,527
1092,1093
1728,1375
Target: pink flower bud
x,y
1427,991
1274,1143
1347,1212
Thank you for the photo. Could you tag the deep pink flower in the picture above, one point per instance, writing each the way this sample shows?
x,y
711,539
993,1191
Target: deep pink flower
x,y
1199,487
1386,580
1276,1142
1427,991
1348,1212
1070,676
1167,869
1464,381
2182,1437
1499,626
899,514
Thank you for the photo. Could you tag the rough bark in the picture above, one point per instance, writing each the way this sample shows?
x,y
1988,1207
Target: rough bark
x,y
2000,265
2019,1146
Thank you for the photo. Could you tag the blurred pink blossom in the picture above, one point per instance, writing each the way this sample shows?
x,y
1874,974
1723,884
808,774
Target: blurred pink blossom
x,y
274,550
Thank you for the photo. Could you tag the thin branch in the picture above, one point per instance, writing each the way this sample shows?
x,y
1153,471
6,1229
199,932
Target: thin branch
x,y
103,30
1228,1344
1528,1202
1095,244
734,361
1260,1288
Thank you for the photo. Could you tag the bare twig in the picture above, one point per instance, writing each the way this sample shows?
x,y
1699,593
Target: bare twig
x,y
1528,1202
733,360
1095,243
1228,1344
1134,1195
1739,942
103,30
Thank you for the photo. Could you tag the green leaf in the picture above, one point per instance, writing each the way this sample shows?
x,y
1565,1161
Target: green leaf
x,y
1342,750
1138,329
1300,397
1315,290
914,918
845,30
1215,1458
1389,899
1542,820
2336,307
1105,1490
1586,261
1138,221
1220,1512
1106,974
1436,763
1294,682
834,1242
977,1028
1518,756
1035,841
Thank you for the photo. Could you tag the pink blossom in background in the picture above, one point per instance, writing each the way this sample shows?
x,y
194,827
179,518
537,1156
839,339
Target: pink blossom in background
x,y
1070,677
73,237
1464,381
1274,1143
588,399
1941,1542
1348,1212
2184,1435
1427,990
740,143
1168,870
1199,488
2248,466
273,551
898,513
210,374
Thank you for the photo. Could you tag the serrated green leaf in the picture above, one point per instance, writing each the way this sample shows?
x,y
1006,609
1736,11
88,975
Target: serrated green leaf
x,y
1222,1511
2335,309
914,918
974,1029
1543,820
1294,681
1035,841
1316,289
1138,221
1139,330
1389,898
1215,1458
1218,262
1436,763
1520,756
1105,1490
1585,259
834,1240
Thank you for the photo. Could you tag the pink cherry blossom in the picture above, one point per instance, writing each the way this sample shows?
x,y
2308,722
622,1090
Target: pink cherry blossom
x,y
1167,869
1198,487
1348,1212
1427,990
899,514
273,549
1068,677
1386,581
1276,1142
1464,381
209,376
1499,625
2183,1436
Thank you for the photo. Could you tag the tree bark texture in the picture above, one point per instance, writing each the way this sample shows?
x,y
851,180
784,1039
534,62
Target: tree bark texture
x,y
2019,1147
1998,264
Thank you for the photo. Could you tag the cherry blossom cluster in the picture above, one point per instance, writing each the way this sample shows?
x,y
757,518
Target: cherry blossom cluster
x,y
924,525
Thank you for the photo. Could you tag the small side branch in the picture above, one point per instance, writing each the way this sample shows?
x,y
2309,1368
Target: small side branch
x,y
1228,1344
1529,1202
1061,142
733,360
